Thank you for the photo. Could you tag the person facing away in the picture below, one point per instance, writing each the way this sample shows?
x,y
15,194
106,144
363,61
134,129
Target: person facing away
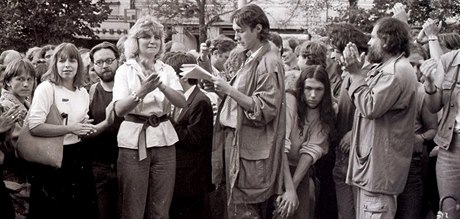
x,y
383,126
251,121
194,125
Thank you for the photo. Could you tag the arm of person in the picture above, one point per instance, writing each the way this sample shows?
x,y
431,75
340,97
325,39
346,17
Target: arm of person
x,y
262,106
433,71
373,102
177,98
288,202
431,30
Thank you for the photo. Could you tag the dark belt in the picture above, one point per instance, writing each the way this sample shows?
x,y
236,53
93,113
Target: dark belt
x,y
146,121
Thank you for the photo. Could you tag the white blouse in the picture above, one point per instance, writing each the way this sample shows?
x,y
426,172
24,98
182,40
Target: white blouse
x,y
128,79
74,103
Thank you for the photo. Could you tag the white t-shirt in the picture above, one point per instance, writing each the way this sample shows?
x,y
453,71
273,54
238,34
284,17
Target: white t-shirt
x,y
128,79
74,103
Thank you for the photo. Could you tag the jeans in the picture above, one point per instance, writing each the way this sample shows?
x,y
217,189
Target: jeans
x,y
105,176
346,194
371,205
146,187
410,200
448,176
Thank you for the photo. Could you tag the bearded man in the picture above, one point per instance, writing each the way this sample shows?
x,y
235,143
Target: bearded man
x,y
383,126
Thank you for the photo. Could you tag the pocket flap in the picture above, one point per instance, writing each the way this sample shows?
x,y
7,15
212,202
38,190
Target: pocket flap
x,y
249,154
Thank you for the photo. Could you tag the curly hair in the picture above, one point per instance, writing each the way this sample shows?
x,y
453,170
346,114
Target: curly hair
x,y
144,25
340,34
250,16
327,114
314,52
395,36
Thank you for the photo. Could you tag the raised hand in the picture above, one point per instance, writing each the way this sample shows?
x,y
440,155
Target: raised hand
x,y
431,27
352,59
399,12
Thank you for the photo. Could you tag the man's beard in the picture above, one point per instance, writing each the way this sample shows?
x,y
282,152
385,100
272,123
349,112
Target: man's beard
x,y
375,55
105,77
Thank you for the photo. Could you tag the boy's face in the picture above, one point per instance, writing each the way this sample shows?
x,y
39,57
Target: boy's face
x,y
246,37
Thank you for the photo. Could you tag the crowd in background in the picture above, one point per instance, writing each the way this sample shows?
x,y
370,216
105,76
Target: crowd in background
x,y
348,125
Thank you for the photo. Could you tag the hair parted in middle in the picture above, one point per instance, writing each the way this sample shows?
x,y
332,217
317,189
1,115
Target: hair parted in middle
x,y
65,51
146,25
327,114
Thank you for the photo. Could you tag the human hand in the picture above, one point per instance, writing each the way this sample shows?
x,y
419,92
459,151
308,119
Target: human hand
x,y
399,12
428,69
151,83
83,129
287,203
222,86
8,118
345,142
351,58
431,27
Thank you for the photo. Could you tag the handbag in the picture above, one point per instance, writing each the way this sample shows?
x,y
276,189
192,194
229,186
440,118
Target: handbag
x,y
40,149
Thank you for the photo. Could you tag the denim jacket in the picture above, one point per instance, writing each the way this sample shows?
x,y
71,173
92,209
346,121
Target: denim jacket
x,y
449,66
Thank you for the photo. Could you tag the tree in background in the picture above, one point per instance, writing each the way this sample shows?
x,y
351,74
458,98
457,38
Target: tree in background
x,y
28,23
420,11
206,12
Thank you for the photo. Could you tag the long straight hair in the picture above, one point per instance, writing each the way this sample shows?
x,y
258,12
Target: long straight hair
x,y
65,51
326,111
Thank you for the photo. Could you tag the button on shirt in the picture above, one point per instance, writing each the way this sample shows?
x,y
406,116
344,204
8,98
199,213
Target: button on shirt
x,y
128,79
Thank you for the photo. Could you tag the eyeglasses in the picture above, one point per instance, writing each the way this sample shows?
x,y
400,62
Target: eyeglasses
x,y
108,61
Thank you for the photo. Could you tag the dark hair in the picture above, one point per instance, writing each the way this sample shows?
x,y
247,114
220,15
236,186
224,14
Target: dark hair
x,y
450,40
16,68
276,39
395,36
340,34
326,111
293,43
315,53
45,49
65,51
177,59
223,44
250,16
103,45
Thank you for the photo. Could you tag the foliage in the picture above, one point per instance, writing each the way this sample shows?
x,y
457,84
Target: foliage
x,y
420,11
28,23
204,12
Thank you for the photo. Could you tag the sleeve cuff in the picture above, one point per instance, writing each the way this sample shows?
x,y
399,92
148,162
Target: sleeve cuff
x,y
316,152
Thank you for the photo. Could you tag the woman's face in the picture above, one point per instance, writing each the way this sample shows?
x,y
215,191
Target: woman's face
x,y
149,44
67,68
21,85
314,92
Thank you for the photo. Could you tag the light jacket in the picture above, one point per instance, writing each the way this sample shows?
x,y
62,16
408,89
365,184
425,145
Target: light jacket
x,y
259,134
383,128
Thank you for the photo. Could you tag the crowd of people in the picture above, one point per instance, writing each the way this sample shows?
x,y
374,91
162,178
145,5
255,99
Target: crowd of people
x,y
349,125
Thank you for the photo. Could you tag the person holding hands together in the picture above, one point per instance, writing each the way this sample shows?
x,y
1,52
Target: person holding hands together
x,y
143,89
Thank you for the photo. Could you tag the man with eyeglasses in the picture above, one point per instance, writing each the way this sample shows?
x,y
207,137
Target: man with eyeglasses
x,y
103,144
